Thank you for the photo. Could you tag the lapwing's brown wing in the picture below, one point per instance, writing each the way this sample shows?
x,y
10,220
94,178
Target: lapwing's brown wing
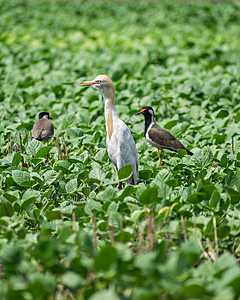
x,y
47,133
42,130
164,139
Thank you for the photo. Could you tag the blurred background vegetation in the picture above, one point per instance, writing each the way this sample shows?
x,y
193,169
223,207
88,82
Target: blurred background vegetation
x,y
66,231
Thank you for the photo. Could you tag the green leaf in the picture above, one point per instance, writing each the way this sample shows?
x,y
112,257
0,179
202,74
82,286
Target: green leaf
x,y
50,176
67,121
92,207
84,241
16,159
27,202
106,257
225,261
104,294
27,126
113,207
20,176
97,173
71,186
196,197
28,198
62,165
203,158
164,190
11,196
96,136
27,183
219,138
128,191
149,195
10,255
109,193
194,288
162,176
145,174
41,285
125,172
53,215
145,261
83,175
223,113
43,152
231,279
44,234
237,181
33,147
215,199
169,125
6,209
37,178
223,231
72,280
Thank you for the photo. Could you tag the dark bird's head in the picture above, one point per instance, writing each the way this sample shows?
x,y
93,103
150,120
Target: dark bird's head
x,y
44,115
148,113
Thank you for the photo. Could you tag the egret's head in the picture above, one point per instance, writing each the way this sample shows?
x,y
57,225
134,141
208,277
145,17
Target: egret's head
x,y
103,84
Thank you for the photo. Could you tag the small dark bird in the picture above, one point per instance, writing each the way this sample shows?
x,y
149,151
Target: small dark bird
x,y
43,128
157,136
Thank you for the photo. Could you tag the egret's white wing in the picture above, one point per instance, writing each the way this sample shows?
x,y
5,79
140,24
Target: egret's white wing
x,y
122,149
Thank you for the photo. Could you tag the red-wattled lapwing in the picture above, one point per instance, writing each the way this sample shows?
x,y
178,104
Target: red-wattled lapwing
x,y
157,136
43,128
120,144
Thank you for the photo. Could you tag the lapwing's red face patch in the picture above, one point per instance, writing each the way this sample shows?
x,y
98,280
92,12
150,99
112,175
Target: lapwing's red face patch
x,y
142,110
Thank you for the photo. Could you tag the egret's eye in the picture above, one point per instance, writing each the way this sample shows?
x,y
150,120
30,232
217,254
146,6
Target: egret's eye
x,y
98,81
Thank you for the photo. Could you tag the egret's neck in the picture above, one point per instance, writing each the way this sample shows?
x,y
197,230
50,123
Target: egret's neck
x,y
110,114
109,104
108,93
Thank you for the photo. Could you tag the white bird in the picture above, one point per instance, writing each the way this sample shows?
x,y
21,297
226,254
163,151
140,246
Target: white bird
x,y
120,144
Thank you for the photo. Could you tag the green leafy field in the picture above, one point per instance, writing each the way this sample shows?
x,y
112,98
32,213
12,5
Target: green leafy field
x,y
66,231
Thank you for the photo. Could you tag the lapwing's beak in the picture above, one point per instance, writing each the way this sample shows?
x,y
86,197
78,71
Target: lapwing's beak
x,y
140,112
87,83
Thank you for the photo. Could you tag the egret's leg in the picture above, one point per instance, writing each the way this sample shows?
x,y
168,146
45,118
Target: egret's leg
x,y
119,186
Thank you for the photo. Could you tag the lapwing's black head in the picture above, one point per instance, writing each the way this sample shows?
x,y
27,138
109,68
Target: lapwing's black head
x,y
44,115
147,111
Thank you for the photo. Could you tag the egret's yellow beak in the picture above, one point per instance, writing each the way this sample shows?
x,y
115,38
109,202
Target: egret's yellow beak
x,y
87,83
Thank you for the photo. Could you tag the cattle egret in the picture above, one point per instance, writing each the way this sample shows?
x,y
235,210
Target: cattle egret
x,y
120,144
